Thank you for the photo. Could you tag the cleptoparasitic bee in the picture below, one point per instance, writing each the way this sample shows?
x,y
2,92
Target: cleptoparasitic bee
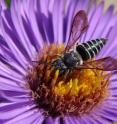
x,y
80,57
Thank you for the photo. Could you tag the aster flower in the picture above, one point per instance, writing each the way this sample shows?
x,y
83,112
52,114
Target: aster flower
x,y
27,28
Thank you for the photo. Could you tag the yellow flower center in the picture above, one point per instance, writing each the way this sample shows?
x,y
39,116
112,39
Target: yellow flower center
x,y
87,82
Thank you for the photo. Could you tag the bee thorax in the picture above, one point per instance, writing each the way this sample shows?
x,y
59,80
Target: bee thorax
x,y
72,59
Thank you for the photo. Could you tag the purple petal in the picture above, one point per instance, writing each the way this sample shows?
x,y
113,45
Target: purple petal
x,y
17,21
27,117
104,21
94,21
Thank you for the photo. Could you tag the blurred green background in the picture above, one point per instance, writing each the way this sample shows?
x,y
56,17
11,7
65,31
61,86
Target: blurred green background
x,y
8,2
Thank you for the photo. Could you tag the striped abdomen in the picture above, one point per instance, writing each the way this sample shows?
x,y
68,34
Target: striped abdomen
x,y
91,48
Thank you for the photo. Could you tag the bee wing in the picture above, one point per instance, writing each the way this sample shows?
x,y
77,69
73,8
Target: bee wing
x,y
105,64
79,26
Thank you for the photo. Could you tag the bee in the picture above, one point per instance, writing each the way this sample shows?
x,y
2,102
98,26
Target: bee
x,y
80,55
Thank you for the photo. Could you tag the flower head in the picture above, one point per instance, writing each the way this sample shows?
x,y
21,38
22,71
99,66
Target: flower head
x,y
33,34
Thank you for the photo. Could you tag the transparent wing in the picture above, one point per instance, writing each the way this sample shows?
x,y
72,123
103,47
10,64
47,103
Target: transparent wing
x,y
79,26
105,64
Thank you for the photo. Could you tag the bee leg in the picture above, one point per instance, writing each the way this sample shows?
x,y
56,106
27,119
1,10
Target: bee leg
x,y
66,74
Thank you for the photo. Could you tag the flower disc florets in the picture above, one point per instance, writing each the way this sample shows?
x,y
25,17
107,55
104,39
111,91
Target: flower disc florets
x,y
74,93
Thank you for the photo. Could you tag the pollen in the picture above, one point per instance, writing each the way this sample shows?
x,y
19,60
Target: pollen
x,y
88,83
75,93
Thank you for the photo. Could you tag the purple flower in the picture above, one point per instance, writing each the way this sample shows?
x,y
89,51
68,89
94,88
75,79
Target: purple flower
x,y
25,28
